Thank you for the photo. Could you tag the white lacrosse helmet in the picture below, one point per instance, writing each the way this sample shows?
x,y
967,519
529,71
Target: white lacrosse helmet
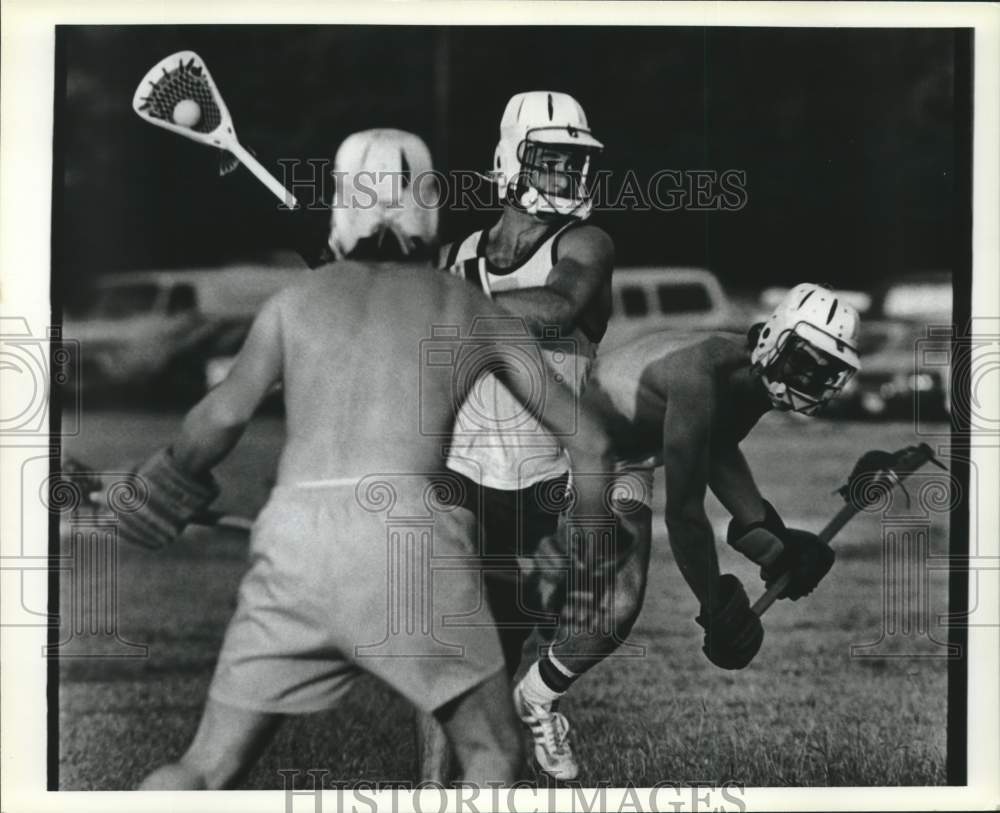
x,y
544,159
808,349
384,185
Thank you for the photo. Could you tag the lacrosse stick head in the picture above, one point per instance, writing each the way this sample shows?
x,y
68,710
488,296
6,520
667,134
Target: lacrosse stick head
x,y
165,95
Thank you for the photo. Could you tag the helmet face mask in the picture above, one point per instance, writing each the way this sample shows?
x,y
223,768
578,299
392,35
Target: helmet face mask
x,y
558,173
802,377
806,352
544,161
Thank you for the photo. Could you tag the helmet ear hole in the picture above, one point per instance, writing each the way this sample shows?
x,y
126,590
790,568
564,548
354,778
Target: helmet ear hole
x,y
753,334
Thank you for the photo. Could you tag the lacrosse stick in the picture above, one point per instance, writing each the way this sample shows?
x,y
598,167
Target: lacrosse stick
x,y
874,476
179,95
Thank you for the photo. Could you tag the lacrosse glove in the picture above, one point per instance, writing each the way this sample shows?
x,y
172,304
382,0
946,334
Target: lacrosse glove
x,y
733,632
806,557
172,498
779,550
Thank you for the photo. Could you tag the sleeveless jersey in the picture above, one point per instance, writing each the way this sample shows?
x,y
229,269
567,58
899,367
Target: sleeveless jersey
x,y
496,442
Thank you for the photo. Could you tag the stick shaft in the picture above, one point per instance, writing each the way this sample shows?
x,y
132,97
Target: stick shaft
x,y
830,530
263,175
917,456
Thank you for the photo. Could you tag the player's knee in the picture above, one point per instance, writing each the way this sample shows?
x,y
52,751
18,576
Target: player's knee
x,y
625,607
509,741
482,719
504,753
176,776
512,764
216,770
490,754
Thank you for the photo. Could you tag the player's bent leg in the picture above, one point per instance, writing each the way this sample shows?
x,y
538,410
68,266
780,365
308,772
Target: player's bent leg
x,y
434,753
586,643
514,625
227,744
516,523
588,634
600,622
483,730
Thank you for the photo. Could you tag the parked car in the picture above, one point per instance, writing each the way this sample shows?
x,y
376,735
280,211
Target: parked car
x,y
645,300
898,379
895,381
150,332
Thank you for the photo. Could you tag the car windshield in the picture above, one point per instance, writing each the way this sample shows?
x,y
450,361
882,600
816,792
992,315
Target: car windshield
x,y
918,301
123,301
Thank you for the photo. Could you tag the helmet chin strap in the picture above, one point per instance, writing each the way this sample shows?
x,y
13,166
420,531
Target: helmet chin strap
x,y
529,200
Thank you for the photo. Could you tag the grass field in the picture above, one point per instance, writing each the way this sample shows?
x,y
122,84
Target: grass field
x,y
805,713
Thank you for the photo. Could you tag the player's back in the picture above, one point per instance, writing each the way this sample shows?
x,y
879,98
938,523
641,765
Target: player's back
x,y
624,372
631,384
355,397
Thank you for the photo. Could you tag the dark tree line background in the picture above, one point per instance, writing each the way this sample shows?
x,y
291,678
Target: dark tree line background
x,y
847,137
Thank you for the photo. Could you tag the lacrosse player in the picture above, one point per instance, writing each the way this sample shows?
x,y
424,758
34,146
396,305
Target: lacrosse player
x,y
345,345
686,402
543,263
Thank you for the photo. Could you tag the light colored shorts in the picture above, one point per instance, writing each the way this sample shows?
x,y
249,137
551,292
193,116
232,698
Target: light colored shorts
x,y
341,582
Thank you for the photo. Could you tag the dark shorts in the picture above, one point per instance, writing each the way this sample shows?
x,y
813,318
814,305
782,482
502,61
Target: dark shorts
x,y
522,557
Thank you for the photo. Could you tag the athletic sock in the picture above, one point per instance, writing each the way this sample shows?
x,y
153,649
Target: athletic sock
x,y
535,690
547,680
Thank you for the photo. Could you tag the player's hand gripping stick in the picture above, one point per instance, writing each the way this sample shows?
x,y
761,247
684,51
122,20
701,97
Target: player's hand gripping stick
x,y
874,475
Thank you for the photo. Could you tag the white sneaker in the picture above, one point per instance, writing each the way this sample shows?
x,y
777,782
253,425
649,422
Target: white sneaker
x,y
550,731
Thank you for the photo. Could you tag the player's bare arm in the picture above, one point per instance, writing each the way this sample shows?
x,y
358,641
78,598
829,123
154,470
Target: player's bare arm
x,y
177,481
581,434
574,421
687,424
733,634
756,530
731,480
216,423
577,290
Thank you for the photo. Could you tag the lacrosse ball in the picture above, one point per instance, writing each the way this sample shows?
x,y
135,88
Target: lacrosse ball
x,y
187,113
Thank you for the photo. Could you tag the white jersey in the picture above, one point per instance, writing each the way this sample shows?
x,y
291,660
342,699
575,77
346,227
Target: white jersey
x,y
496,442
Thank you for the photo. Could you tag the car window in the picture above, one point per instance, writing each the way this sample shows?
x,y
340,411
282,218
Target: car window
x,y
685,298
182,299
124,301
634,300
